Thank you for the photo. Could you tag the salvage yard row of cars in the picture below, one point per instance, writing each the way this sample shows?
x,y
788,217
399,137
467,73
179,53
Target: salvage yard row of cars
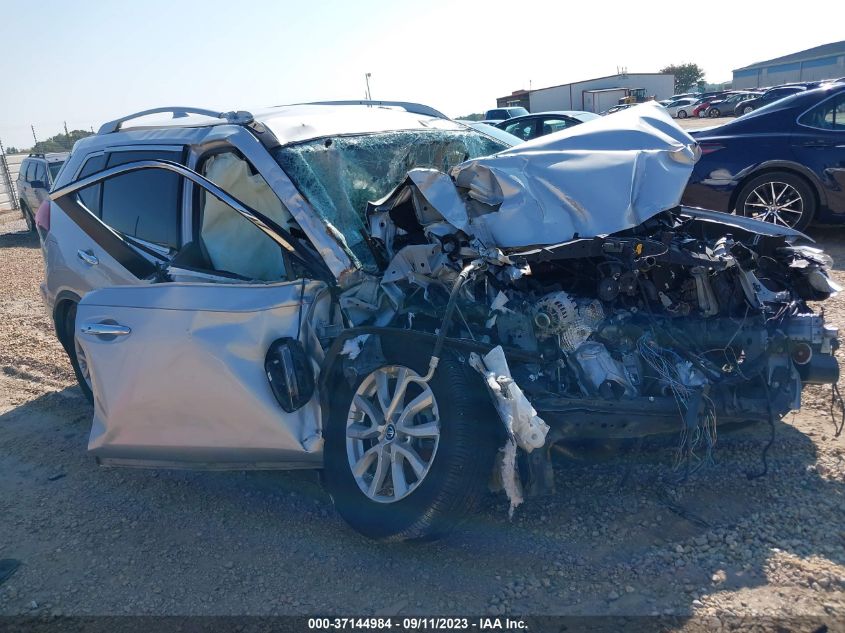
x,y
411,304
733,102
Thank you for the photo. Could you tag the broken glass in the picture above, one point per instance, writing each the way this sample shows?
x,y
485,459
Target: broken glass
x,y
340,175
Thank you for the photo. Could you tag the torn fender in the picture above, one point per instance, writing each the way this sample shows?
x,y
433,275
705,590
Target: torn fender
x,y
524,427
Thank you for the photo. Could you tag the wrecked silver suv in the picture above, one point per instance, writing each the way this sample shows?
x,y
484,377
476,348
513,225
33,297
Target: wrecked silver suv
x,y
410,305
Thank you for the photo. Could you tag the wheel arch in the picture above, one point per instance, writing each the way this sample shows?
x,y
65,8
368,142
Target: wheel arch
x,y
64,300
772,166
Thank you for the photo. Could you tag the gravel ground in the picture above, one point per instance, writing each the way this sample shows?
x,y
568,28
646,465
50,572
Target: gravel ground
x,y
613,540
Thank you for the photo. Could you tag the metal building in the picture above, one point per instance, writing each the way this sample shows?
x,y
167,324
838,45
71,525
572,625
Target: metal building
x,y
822,62
592,94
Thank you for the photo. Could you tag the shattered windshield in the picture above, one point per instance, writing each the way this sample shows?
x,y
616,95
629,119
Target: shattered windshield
x,y
340,175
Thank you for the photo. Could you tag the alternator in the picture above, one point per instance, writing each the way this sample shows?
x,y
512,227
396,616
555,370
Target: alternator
x,y
554,313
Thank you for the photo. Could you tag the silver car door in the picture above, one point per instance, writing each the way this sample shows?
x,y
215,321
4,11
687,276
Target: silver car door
x,y
178,375
177,369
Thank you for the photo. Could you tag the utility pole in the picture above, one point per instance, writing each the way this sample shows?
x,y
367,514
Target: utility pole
x,y
66,132
33,134
367,79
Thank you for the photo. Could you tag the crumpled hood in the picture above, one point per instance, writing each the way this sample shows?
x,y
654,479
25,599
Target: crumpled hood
x,y
595,178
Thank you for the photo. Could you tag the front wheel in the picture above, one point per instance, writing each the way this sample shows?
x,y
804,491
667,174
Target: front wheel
x,y
714,113
778,197
747,109
406,459
682,114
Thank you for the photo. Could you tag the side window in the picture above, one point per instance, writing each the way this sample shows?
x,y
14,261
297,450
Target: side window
x,y
828,115
22,170
90,196
231,242
40,172
522,129
144,204
54,169
30,171
554,125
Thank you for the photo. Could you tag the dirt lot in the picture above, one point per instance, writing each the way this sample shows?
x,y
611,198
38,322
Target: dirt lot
x,y
100,541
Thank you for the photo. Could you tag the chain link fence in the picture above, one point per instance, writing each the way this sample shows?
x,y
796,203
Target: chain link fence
x,y
9,166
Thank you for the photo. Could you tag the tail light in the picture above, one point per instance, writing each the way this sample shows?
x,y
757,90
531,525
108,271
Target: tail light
x,y
42,216
709,148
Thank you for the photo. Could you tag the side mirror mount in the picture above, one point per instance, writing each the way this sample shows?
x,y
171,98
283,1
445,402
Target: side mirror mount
x,y
38,184
290,373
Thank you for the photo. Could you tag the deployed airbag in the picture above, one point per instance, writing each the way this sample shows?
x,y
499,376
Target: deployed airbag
x,y
233,243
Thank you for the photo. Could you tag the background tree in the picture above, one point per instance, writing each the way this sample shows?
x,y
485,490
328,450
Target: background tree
x,y
60,142
687,76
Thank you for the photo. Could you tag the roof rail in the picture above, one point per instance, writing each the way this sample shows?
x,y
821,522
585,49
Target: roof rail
x,y
414,108
36,155
238,118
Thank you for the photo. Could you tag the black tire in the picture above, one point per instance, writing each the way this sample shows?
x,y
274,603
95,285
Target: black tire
x,y
69,333
714,113
779,178
747,109
28,217
459,470
682,114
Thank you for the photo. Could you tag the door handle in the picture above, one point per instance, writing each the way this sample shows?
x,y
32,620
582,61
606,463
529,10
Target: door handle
x,y
88,257
109,331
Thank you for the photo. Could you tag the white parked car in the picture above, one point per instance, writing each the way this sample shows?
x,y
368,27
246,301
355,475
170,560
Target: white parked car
x,y
675,106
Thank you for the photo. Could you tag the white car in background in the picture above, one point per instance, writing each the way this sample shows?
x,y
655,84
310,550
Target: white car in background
x,y
676,106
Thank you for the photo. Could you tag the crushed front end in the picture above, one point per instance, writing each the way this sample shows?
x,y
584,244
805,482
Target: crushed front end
x,y
597,307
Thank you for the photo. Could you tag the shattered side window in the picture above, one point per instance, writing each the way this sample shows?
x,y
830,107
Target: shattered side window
x,y
340,175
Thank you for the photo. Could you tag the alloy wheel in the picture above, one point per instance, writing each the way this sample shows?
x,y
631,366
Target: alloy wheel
x,y
776,202
392,433
82,361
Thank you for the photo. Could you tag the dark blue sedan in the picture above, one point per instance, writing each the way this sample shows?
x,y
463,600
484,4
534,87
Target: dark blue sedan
x,y
783,163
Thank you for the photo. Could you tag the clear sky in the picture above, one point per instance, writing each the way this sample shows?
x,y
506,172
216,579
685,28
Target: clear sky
x,y
87,61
